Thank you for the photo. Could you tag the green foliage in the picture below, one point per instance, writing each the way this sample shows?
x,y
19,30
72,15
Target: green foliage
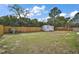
x,y
8,20
60,21
50,21
53,14
13,21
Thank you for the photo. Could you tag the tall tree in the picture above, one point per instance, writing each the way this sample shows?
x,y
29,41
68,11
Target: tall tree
x,y
16,9
19,12
53,14
75,20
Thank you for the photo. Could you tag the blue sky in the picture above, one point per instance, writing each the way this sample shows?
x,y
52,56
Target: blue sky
x,y
40,11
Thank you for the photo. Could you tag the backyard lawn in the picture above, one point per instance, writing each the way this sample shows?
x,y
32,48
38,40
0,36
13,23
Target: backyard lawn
x,y
40,42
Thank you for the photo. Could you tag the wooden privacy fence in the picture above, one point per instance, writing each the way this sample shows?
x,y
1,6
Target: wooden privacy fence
x,y
1,30
76,29
22,29
5,29
63,29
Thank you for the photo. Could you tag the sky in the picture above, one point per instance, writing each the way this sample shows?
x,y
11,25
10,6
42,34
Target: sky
x,y
41,11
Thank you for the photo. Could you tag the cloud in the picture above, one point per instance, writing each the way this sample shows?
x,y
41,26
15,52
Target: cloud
x,y
37,9
44,19
38,14
30,15
24,13
72,14
26,9
63,14
47,17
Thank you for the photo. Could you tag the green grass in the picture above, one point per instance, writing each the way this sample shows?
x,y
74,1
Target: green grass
x,y
40,42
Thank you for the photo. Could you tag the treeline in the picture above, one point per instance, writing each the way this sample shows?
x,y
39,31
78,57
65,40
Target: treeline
x,y
13,21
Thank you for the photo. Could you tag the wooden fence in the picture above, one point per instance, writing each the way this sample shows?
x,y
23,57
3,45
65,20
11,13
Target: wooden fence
x,y
76,29
22,29
1,30
63,29
5,29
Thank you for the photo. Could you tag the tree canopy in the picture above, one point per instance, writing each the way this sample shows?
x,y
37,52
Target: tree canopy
x,y
53,14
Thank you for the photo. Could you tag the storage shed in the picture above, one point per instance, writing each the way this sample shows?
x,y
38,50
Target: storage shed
x,y
47,28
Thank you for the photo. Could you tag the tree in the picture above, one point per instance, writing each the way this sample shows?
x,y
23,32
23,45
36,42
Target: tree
x,y
75,20
8,20
53,14
4,20
68,23
34,22
19,12
12,21
60,21
50,21
16,9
